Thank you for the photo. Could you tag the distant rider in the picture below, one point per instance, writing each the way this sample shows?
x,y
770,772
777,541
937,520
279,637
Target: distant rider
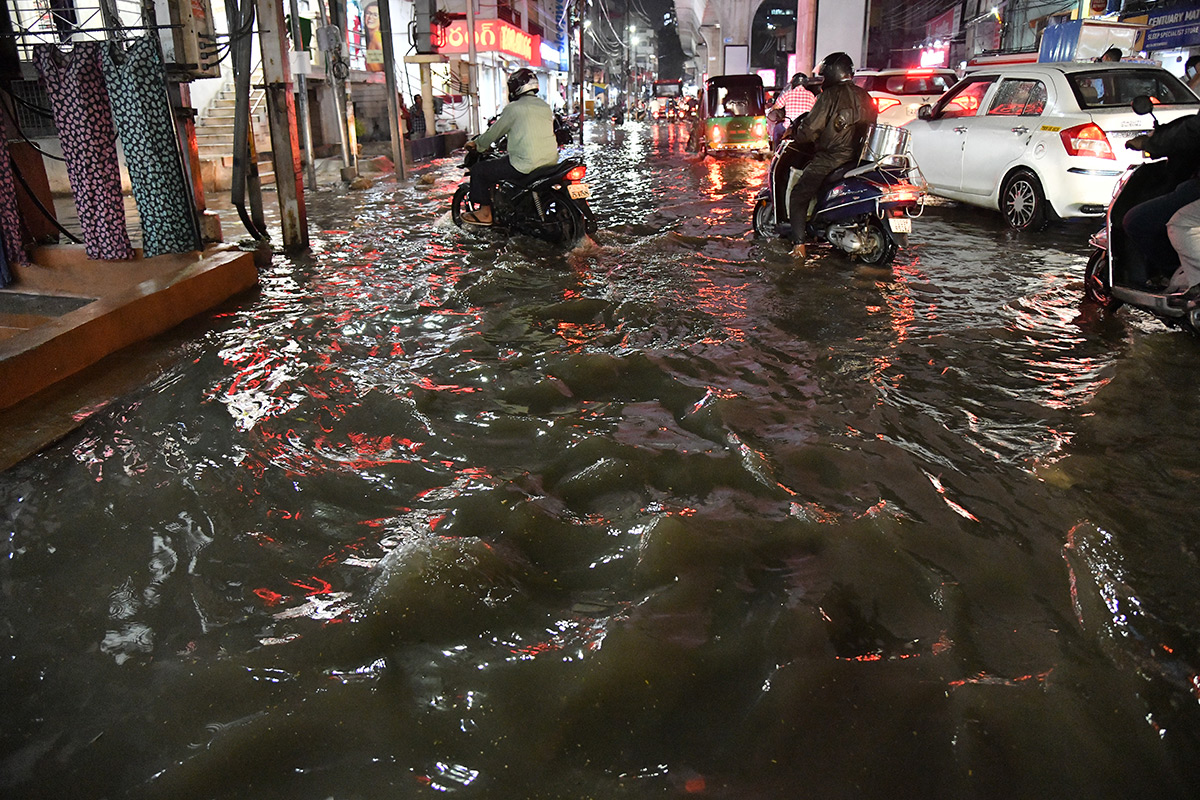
x,y
528,122
837,124
792,102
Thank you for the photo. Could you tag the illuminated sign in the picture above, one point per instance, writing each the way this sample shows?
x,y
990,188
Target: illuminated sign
x,y
494,35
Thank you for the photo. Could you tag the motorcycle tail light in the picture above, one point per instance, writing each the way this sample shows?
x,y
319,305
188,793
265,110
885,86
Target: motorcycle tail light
x,y
884,103
1086,140
575,175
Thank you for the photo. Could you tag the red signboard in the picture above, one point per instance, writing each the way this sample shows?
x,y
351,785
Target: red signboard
x,y
493,35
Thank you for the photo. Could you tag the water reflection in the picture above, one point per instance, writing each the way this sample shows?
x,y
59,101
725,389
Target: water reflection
x,y
438,511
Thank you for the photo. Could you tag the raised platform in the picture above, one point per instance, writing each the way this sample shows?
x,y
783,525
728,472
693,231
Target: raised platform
x,y
65,313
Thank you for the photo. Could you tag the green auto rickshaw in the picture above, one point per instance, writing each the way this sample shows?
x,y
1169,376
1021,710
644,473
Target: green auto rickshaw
x,y
733,117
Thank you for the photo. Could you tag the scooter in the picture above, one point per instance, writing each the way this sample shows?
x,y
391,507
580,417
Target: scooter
x,y
865,209
1107,277
549,203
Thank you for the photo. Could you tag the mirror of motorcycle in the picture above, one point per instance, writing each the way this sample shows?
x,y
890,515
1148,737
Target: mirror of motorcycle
x,y
925,112
1142,105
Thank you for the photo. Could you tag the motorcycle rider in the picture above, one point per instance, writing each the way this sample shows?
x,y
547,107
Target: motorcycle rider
x,y
837,125
1153,225
528,122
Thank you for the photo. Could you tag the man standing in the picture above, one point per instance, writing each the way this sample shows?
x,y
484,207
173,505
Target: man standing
x,y
528,122
837,125
418,118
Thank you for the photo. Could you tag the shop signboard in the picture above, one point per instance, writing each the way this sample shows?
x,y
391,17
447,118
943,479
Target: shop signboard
x,y
1171,28
493,35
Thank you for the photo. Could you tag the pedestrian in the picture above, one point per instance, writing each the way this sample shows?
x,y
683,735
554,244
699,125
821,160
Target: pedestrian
x,y
417,116
1111,54
1191,72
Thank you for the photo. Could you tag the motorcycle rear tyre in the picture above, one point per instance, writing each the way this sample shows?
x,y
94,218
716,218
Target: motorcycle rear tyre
x,y
763,218
562,221
1095,290
882,250
589,219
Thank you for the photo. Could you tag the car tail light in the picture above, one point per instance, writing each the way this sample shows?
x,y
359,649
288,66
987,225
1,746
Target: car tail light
x,y
575,175
714,133
760,129
1086,140
884,103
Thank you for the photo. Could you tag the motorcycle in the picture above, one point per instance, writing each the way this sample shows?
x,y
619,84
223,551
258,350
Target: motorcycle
x,y
549,203
1107,277
865,209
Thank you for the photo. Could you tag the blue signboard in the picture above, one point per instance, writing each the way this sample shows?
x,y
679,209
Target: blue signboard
x,y
1173,28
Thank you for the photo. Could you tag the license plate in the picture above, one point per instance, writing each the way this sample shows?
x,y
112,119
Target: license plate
x,y
579,191
900,224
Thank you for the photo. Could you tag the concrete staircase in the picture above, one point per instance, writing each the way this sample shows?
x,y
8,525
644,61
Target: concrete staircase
x,y
214,134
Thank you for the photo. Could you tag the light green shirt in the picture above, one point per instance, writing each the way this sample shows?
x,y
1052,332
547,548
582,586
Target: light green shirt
x,y
529,123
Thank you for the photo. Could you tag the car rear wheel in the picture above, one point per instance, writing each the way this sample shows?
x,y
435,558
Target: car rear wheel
x,y
1023,202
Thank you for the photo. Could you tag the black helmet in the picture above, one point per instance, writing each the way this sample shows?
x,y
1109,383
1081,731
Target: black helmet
x,y
522,82
798,79
837,68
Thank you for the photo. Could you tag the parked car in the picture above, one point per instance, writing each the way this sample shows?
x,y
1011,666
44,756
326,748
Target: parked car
x,y
733,115
899,93
1039,141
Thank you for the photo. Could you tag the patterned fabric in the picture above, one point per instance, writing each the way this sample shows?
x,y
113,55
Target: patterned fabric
x,y
75,85
138,90
12,250
795,102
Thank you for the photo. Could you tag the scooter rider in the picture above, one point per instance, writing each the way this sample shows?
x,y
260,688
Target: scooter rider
x,y
837,125
1152,225
791,103
528,122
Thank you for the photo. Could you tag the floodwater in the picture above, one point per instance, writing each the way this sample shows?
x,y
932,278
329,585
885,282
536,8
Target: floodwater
x,y
434,512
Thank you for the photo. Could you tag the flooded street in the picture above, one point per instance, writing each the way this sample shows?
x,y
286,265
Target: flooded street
x,y
438,512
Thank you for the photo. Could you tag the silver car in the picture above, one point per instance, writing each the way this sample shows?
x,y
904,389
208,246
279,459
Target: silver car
x,y
1040,141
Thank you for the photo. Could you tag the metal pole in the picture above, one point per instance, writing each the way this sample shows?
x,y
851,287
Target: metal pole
x,y
472,67
582,107
302,93
389,71
281,111
334,66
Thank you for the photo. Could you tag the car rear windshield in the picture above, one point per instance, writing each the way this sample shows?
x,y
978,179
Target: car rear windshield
x,y
910,83
1117,88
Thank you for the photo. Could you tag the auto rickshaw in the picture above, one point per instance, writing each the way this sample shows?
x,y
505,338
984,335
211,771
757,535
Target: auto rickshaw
x,y
733,115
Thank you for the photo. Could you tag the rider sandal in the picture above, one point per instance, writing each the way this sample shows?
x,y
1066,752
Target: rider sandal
x,y
471,219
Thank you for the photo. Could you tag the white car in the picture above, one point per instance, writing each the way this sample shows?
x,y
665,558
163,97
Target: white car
x,y
1037,141
898,93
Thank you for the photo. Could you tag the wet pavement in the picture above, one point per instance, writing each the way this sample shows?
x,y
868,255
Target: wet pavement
x,y
438,512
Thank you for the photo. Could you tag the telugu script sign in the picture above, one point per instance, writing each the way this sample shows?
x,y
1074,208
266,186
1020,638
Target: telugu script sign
x,y
493,35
